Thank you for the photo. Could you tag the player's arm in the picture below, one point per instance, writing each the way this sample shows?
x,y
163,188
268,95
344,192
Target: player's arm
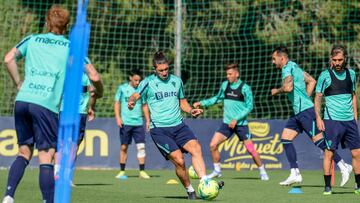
x,y
95,79
91,110
185,106
132,100
117,109
317,105
287,86
310,83
142,89
145,109
12,68
354,102
219,97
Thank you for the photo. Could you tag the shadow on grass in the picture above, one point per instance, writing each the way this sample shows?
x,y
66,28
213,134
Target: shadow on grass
x,y
167,197
92,184
246,178
137,176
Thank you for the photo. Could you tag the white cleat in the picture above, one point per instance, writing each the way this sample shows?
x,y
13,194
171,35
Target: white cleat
x,y
292,179
264,177
214,174
345,174
8,199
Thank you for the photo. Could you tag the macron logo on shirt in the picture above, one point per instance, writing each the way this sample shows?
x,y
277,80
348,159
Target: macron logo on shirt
x,y
46,40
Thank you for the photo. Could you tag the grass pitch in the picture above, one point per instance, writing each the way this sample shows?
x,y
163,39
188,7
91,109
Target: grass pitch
x,y
244,186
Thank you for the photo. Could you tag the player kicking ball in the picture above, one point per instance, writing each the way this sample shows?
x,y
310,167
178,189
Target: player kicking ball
x,y
238,103
164,94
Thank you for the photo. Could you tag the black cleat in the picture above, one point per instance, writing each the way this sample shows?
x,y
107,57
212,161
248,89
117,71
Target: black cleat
x,y
221,184
192,195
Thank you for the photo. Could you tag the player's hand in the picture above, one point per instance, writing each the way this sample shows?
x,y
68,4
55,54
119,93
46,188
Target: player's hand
x,y
196,112
147,126
119,122
18,86
320,125
131,105
232,124
196,105
91,114
274,91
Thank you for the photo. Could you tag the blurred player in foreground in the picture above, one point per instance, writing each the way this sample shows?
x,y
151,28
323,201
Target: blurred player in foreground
x,y
238,103
38,100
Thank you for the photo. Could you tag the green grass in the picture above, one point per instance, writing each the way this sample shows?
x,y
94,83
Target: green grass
x,y
244,186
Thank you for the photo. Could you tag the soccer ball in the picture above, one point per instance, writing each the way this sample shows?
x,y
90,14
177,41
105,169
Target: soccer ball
x,y
208,189
192,173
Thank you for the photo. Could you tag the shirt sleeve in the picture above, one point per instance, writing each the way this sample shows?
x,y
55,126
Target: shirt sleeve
x,y
23,44
87,61
286,71
118,94
323,82
143,87
219,97
246,91
181,90
353,79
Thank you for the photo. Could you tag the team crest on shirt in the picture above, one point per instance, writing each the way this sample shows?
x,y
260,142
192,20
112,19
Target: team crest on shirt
x,y
173,83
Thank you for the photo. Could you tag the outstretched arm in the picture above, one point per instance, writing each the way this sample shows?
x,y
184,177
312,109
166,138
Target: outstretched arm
x,y
185,106
12,68
310,83
317,105
287,86
219,97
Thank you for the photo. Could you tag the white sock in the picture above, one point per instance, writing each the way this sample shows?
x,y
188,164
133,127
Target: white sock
x,y
262,169
56,169
217,167
204,178
295,171
190,188
341,165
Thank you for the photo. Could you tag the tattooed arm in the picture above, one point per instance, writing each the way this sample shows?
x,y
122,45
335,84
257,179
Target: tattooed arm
x,y
310,83
287,86
317,105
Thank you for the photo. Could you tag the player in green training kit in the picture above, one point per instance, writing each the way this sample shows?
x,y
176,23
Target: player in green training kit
x,y
338,85
164,95
238,103
299,85
38,100
130,123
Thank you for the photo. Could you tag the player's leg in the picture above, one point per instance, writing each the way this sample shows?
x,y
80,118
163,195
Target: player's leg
x,y
25,136
244,135
352,141
125,140
216,140
194,148
45,125
308,123
164,139
139,137
327,162
287,138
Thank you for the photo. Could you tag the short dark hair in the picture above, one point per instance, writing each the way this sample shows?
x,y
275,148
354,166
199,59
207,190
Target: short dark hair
x,y
336,49
232,66
134,71
159,58
281,50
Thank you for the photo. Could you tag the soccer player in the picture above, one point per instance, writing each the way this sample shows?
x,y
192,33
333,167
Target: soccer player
x,y
92,89
38,100
130,123
338,85
165,98
238,103
299,85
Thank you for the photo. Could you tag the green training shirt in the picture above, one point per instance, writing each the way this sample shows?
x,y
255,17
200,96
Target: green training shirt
x,y
233,110
298,97
337,107
129,117
162,97
45,67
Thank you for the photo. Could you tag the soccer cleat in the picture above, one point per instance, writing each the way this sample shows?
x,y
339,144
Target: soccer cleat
x,y
221,184
72,184
264,177
357,191
214,174
327,191
144,175
192,195
8,199
120,175
293,178
345,174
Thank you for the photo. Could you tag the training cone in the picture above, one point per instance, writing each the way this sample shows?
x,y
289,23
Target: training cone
x,y
295,190
123,177
172,182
